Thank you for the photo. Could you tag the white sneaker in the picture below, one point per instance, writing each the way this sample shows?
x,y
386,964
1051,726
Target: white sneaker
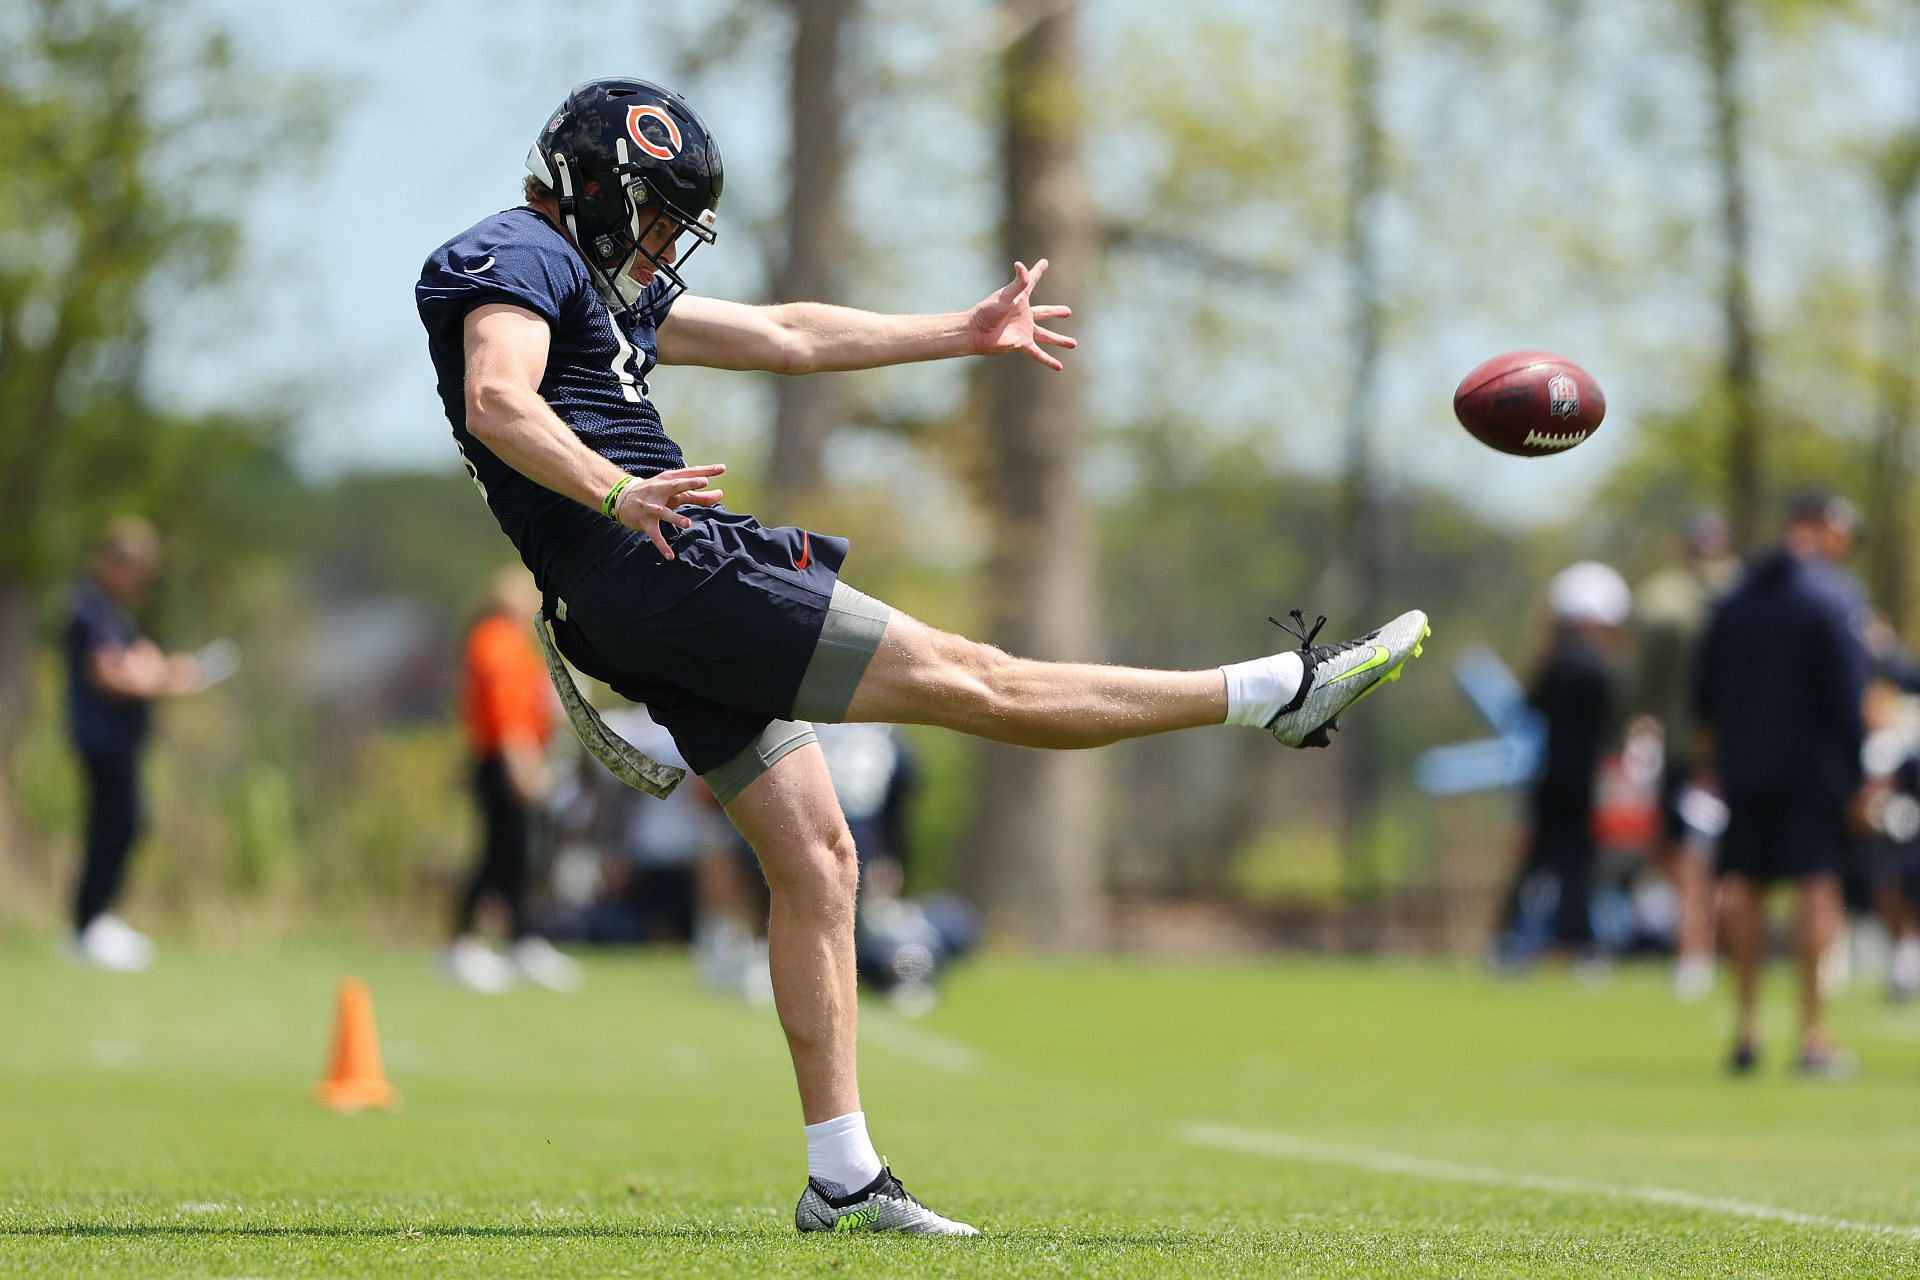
x,y
1835,970
543,966
1903,975
756,977
1692,978
729,958
476,966
108,942
719,942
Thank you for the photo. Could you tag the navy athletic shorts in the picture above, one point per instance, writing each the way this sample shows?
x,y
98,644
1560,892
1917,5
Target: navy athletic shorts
x,y
1775,837
744,635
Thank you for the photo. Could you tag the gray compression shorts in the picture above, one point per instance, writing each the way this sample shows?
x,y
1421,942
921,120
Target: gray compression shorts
x,y
848,640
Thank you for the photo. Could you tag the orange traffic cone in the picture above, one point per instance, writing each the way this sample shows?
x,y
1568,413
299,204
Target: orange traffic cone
x,y
355,1080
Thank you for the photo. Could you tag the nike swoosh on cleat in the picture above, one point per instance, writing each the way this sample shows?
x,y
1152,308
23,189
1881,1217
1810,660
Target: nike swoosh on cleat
x,y
1380,655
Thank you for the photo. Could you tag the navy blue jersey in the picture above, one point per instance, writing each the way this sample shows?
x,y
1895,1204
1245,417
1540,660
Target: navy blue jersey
x,y
596,376
100,723
1574,695
1780,681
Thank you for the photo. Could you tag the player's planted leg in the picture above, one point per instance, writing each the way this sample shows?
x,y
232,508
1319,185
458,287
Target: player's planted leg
x,y
791,818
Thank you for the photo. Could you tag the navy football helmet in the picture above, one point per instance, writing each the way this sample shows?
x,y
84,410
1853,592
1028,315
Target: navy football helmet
x,y
621,155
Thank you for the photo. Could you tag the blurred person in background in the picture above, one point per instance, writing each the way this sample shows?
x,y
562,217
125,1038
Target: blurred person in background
x,y
1670,618
1891,758
695,875
900,943
640,869
114,675
1782,679
658,844
507,709
1574,692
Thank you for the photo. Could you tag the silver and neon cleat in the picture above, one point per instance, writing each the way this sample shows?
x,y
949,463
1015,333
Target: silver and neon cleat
x,y
1339,675
881,1205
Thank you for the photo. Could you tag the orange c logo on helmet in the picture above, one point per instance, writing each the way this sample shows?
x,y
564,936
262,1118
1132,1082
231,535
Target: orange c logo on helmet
x,y
646,144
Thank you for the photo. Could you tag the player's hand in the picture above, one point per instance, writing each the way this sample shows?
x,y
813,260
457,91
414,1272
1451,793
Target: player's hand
x,y
183,677
1007,320
140,670
646,505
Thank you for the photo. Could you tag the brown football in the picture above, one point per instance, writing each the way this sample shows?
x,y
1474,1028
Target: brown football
x,y
1529,403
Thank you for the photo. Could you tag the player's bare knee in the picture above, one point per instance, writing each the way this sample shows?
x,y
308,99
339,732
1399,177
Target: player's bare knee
x,y
821,873
840,863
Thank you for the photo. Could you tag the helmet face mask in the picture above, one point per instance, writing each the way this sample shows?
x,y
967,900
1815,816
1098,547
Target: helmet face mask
x,y
627,159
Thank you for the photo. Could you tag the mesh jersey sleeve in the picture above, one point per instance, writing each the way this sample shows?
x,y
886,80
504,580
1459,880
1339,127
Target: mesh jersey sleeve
x,y
544,277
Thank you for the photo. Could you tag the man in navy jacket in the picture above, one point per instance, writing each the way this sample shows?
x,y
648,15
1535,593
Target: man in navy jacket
x,y
1779,691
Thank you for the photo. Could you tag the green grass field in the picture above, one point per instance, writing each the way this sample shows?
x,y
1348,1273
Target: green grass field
x,y
1101,1117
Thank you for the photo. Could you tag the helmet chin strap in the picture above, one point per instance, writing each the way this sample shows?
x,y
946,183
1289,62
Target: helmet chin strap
x,y
618,289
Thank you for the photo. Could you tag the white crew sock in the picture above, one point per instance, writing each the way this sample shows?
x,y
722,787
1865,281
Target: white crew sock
x,y
839,1151
1257,690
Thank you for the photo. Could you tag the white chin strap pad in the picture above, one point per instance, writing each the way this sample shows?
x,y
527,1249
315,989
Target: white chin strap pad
x,y
623,288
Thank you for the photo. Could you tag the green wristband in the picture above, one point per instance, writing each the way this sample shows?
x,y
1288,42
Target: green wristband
x,y
613,496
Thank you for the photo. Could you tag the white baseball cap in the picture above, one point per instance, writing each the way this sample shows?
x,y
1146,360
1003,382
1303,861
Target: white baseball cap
x,y
1590,593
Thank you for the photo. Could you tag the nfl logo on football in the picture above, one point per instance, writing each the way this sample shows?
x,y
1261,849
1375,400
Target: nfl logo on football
x,y
1563,396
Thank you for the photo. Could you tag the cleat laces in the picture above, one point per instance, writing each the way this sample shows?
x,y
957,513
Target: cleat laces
x,y
1299,630
1311,653
1311,658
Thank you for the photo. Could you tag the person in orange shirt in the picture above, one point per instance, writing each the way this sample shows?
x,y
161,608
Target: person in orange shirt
x,y
507,706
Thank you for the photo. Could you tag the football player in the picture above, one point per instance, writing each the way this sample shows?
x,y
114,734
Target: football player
x,y
545,324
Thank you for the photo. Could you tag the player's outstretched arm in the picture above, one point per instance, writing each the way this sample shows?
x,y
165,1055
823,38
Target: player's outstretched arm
x,y
506,356
816,337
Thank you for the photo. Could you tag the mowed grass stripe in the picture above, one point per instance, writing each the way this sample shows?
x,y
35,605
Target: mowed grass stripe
x,y
888,1032
1282,1146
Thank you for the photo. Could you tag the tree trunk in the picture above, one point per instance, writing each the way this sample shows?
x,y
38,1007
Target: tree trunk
x,y
1032,856
1362,554
1745,444
1891,544
1890,548
806,410
16,704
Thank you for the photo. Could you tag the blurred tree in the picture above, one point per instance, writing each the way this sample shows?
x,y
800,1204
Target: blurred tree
x,y
1031,855
124,132
1744,448
1889,551
1361,552
806,410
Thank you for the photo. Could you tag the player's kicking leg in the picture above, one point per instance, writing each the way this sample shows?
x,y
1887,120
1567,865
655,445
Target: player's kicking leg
x,y
922,676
